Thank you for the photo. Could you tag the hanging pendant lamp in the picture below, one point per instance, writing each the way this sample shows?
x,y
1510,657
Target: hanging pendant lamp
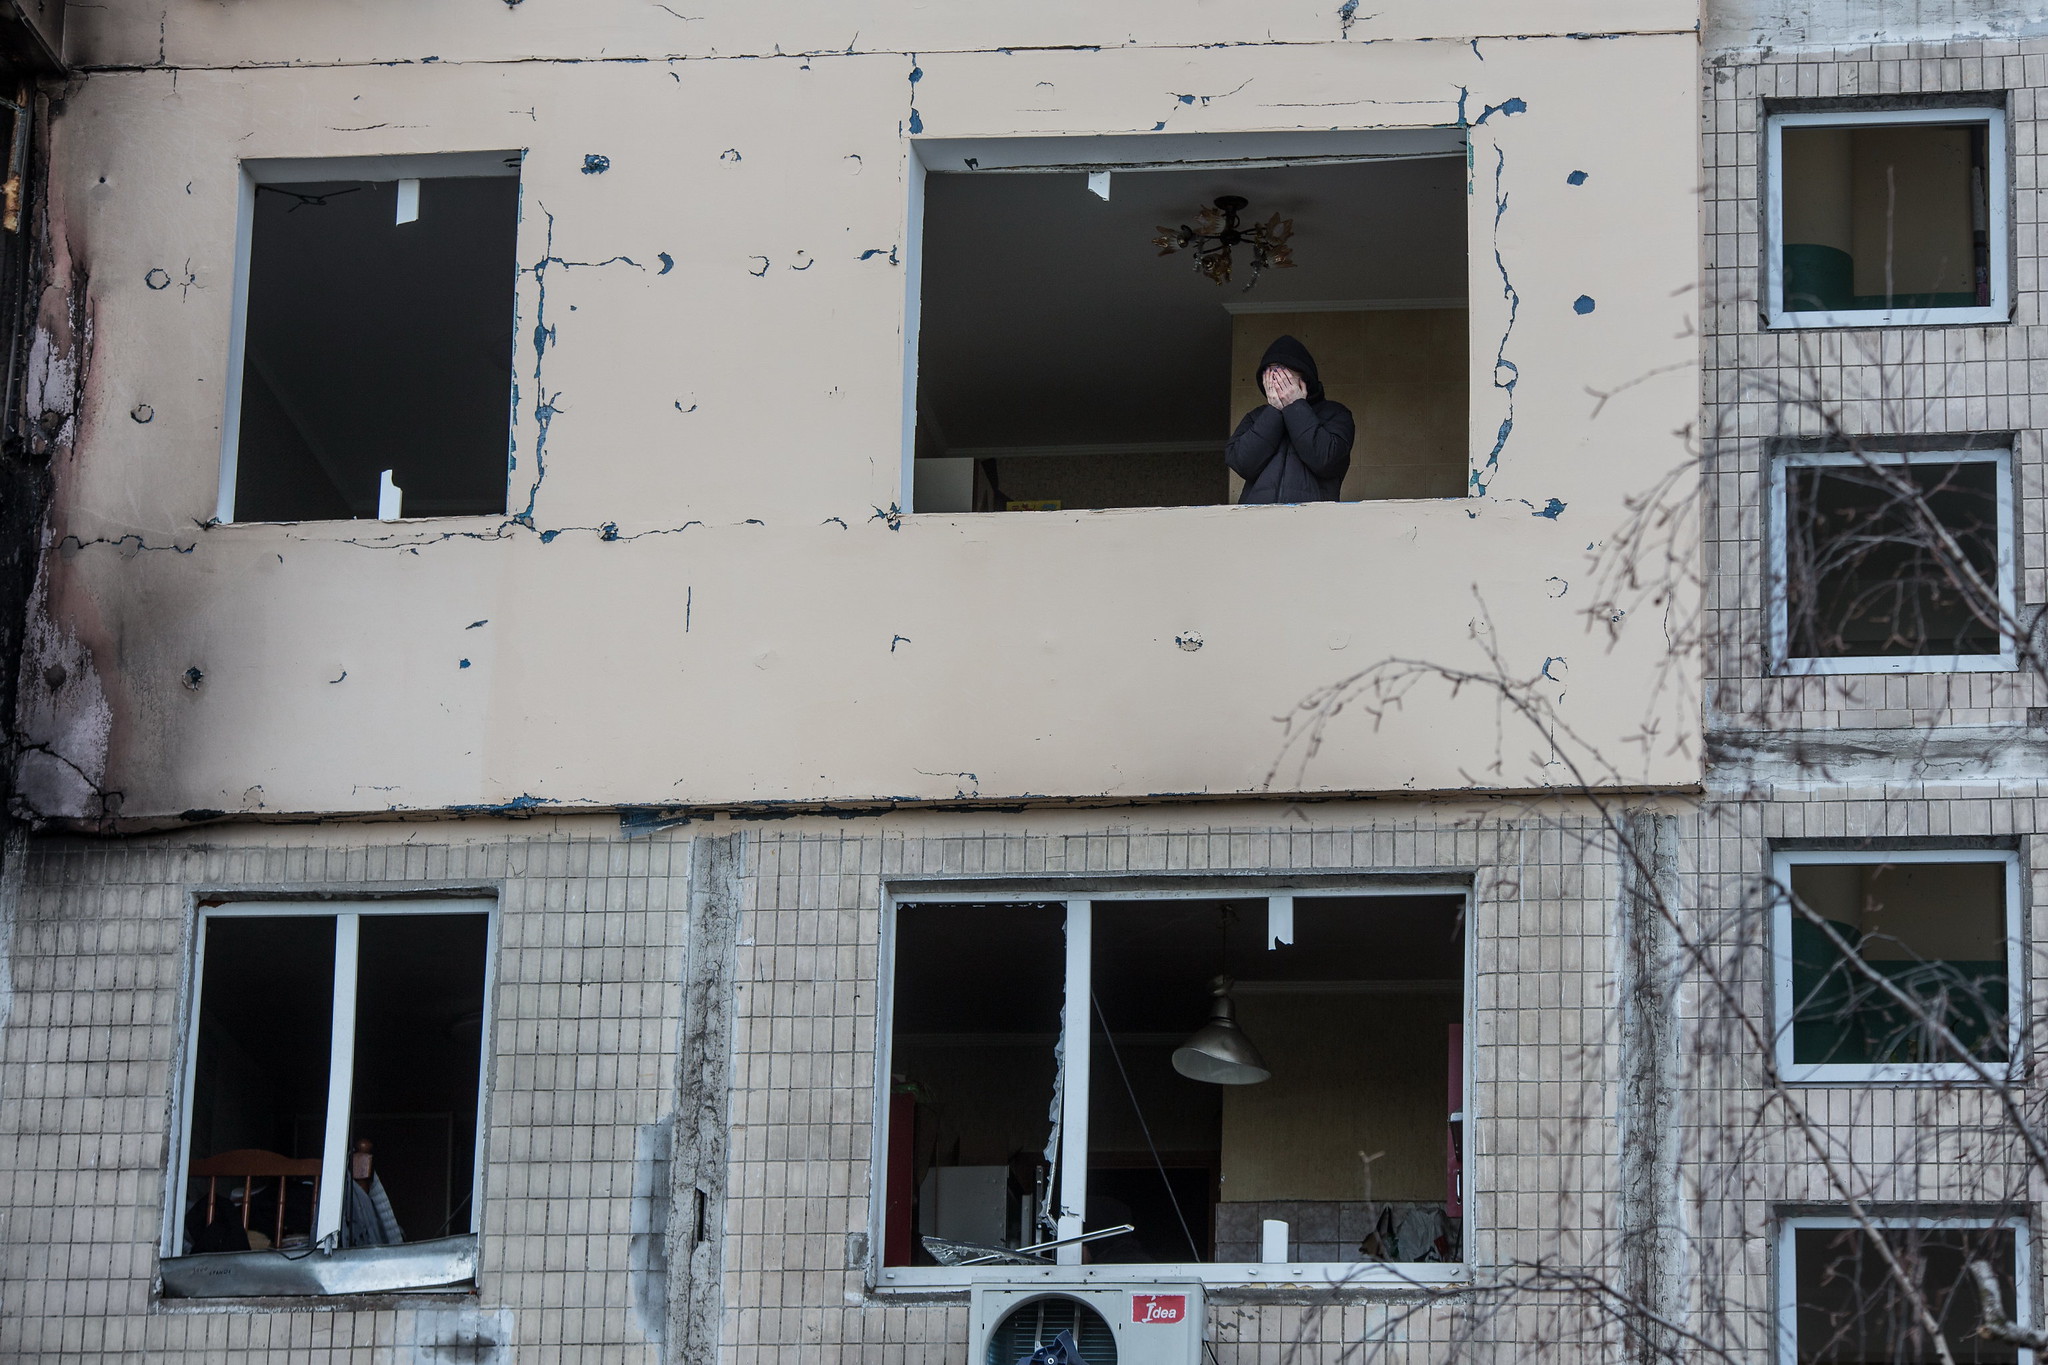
x,y
1218,1052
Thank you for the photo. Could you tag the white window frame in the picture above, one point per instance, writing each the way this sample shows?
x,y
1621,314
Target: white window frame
x,y
347,916
1081,153
1073,1161
312,170
1922,1073
1788,1267
1779,532
1997,193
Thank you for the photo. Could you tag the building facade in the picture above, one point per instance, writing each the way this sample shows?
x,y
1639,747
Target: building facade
x,y
718,880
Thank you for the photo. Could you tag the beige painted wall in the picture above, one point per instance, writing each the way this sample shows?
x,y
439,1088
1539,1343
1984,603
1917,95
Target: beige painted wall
x,y
752,629
1403,374
1354,1076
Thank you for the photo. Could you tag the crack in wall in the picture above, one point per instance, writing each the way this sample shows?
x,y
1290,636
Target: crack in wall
x,y
1505,372
775,53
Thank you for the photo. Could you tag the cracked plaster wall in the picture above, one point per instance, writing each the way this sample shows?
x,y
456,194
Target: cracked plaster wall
x,y
702,602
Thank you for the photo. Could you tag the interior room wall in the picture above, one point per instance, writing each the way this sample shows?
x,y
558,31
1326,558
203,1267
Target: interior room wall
x,y
1355,1075
1912,207
986,1102
1950,912
1402,372
1819,203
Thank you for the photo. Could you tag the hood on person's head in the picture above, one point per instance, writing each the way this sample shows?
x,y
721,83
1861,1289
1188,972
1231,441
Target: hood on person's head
x,y
1287,351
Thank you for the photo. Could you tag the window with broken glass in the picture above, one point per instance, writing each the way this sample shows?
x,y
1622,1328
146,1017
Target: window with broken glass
x,y
372,358
1091,314
1903,1292
1897,965
1886,217
1891,561
332,1099
1250,1086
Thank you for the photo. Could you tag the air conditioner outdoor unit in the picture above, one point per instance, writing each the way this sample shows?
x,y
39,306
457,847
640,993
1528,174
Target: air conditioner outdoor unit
x,y
1125,1324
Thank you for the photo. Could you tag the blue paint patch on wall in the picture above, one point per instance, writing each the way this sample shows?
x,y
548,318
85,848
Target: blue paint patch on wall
x,y
1514,104
1552,509
463,664
1575,178
594,164
1583,304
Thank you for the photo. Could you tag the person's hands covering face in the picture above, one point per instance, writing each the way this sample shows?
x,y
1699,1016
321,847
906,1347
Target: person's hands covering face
x,y
1283,386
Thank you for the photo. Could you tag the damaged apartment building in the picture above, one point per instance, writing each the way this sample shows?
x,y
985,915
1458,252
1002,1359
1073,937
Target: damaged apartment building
x,y
650,727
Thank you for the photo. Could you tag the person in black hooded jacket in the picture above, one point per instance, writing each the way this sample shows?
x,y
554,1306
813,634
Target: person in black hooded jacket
x,y
1297,446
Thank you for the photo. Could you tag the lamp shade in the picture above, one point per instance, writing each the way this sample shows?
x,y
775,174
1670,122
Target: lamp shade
x,y
1218,1052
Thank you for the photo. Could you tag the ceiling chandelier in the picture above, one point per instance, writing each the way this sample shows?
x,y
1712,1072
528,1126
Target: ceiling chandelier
x,y
1216,234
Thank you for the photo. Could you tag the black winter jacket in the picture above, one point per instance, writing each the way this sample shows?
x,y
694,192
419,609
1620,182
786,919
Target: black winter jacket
x,y
1298,453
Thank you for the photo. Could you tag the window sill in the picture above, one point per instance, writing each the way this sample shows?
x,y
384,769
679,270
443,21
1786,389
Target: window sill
x,y
444,1263
1918,663
1361,1277
1994,316
1924,1073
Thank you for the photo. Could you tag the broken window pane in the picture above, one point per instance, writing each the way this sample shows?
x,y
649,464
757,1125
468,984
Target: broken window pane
x,y
1850,1309
973,1091
377,341
1890,557
259,1081
1065,362
1937,932
1886,216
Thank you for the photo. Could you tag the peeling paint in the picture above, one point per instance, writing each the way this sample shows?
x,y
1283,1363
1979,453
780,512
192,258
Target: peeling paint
x,y
593,164
1507,108
1583,304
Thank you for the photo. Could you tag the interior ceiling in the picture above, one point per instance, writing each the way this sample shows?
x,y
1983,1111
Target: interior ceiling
x,y
1049,319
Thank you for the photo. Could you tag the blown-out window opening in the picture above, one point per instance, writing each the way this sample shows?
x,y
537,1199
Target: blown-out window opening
x,y
1243,1085
1095,319
370,365
332,1101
